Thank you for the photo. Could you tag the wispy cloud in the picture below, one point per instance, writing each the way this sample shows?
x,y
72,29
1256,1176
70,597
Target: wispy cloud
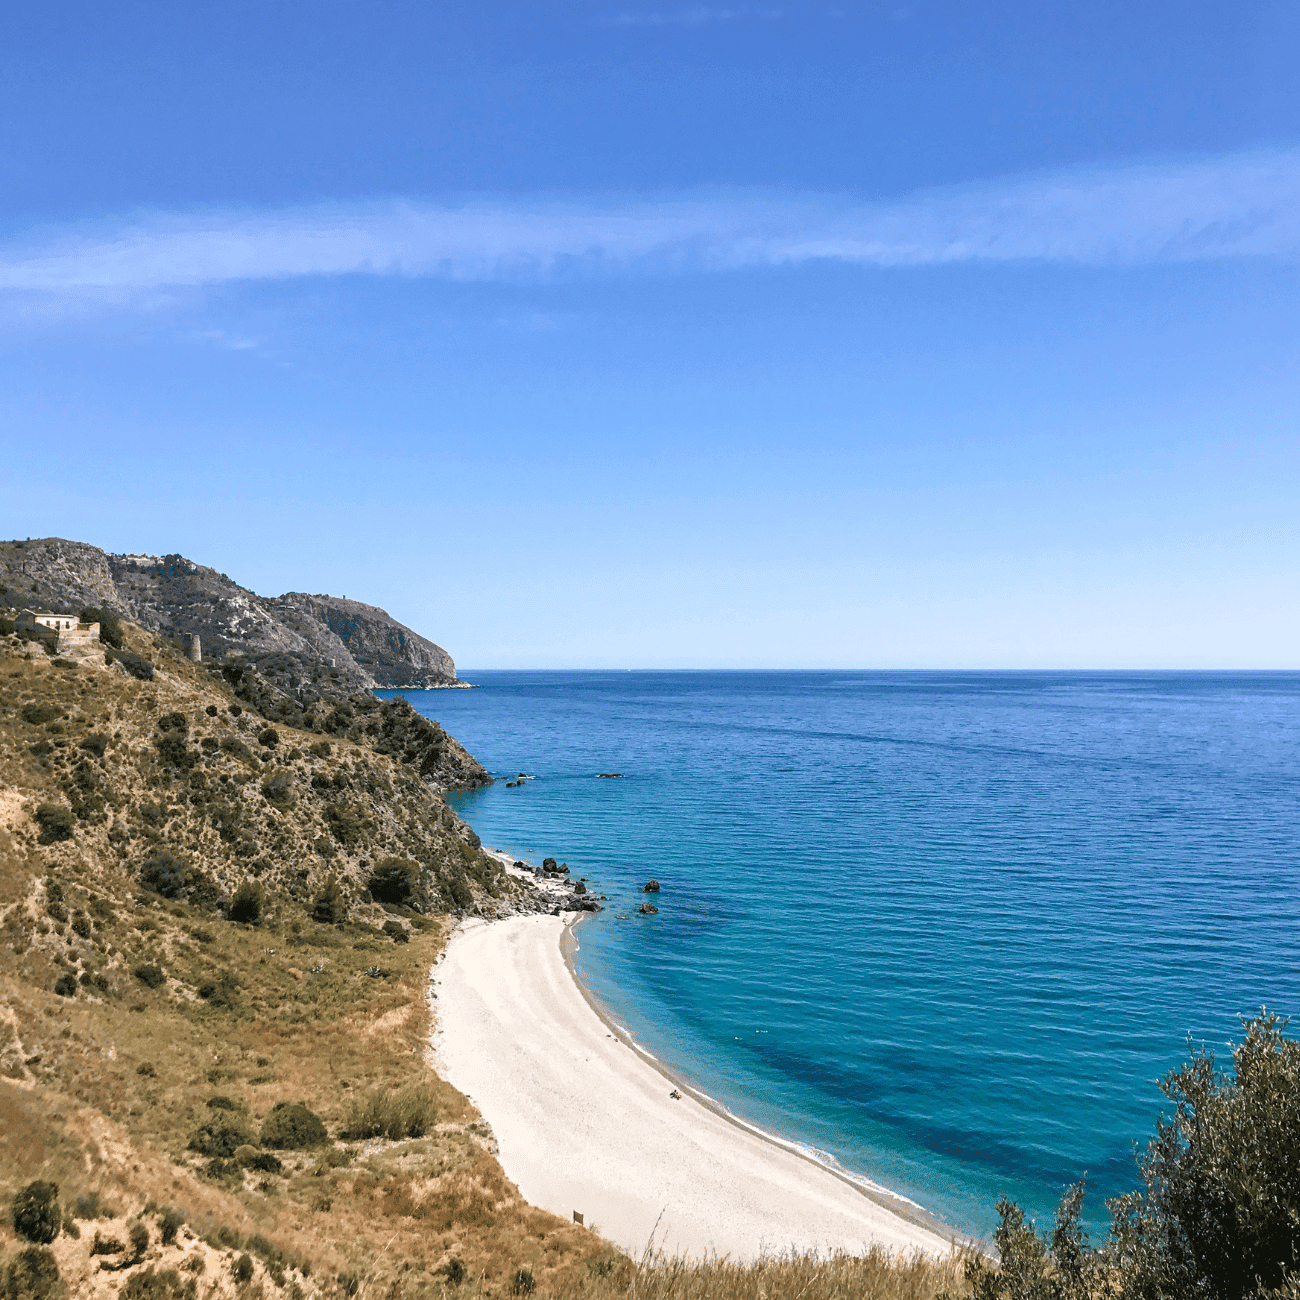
x,y
1244,206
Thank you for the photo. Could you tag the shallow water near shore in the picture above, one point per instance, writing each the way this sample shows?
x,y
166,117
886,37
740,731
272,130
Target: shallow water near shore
x,y
949,928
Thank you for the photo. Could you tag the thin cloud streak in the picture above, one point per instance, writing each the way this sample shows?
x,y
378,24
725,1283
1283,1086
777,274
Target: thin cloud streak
x,y
1245,206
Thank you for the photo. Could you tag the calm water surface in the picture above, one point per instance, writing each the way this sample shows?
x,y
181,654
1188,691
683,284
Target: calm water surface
x,y
950,928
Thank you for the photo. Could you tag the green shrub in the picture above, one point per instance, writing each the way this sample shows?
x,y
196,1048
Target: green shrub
x,y
7,626
292,1127
110,626
55,822
221,1103
169,1224
455,1270
37,715
242,1268
173,722
221,1136
347,824
92,1205
66,986
175,751
149,975
139,1235
262,1161
221,992
106,1246
268,737
459,892
96,743
33,1274
246,906
394,880
523,1282
277,790
165,874
164,1285
81,925
36,1213
396,932
393,1114
329,906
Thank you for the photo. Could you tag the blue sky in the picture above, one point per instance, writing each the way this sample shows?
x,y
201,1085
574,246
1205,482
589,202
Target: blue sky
x,y
857,335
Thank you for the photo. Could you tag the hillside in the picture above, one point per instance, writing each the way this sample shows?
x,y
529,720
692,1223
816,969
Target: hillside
x,y
204,916
302,643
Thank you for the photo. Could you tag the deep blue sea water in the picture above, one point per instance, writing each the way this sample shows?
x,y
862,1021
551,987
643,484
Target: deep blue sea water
x,y
948,927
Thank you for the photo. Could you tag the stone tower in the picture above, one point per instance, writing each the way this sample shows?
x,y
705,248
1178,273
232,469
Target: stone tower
x,y
196,650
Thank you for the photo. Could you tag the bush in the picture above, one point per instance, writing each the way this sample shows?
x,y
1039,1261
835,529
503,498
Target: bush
x,y
394,880
91,1205
242,1268
269,737
36,1213
39,714
150,976
455,1270
169,1224
174,751
263,1161
221,1103
106,1246
396,932
277,790
164,1285
321,749
81,925
164,874
33,1274
292,1127
221,992
220,1137
173,722
523,1282
246,906
347,824
1220,1216
110,626
139,1235
66,986
459,892
55,822
95,743
408,1113
329,906
137,665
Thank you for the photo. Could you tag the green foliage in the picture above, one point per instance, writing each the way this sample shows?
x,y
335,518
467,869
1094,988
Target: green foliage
x,y
241,1269
347,824
55,822
220,1136
393,1114
246,906
396,932
110,626
165,874
66,986
458,891
105,1246
523,1282
329,906
150,975
268,737
394,880
277,790
92,1205
173,722
292,1127
96,743
159,1285
36,1214
175,751
137,665
33,1274
455,1270
169,1223
39,714
139,1236
221,992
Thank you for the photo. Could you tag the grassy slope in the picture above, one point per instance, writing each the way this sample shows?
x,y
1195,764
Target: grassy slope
x,y
101,1091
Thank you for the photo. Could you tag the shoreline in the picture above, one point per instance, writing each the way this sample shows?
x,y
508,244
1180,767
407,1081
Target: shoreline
x,y
895,1203
585,1125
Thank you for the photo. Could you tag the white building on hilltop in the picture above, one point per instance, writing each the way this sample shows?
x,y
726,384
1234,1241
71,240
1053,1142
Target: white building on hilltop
x,y
58,632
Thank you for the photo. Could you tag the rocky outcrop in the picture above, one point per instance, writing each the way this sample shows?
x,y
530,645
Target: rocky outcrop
x,y
325,644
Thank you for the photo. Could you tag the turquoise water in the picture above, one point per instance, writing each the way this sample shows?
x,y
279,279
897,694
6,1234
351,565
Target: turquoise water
x,y
949,928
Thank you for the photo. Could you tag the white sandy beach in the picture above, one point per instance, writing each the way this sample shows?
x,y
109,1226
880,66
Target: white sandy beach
x,y
585,1123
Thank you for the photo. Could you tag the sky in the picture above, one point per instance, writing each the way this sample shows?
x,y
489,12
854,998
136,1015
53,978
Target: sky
x,y
897,335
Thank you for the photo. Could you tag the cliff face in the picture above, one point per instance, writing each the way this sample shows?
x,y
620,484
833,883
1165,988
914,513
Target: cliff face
x,y
295,640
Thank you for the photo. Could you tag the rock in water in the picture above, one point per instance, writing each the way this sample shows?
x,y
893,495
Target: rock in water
x,y
649,909
652,887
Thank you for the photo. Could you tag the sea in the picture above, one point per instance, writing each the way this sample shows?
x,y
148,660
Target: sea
x,y
949,930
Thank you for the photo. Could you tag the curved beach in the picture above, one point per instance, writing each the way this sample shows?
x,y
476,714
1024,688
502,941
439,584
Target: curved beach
x,y
586,1123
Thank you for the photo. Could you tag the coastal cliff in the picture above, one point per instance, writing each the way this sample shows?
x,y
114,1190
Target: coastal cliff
x,y
295,640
